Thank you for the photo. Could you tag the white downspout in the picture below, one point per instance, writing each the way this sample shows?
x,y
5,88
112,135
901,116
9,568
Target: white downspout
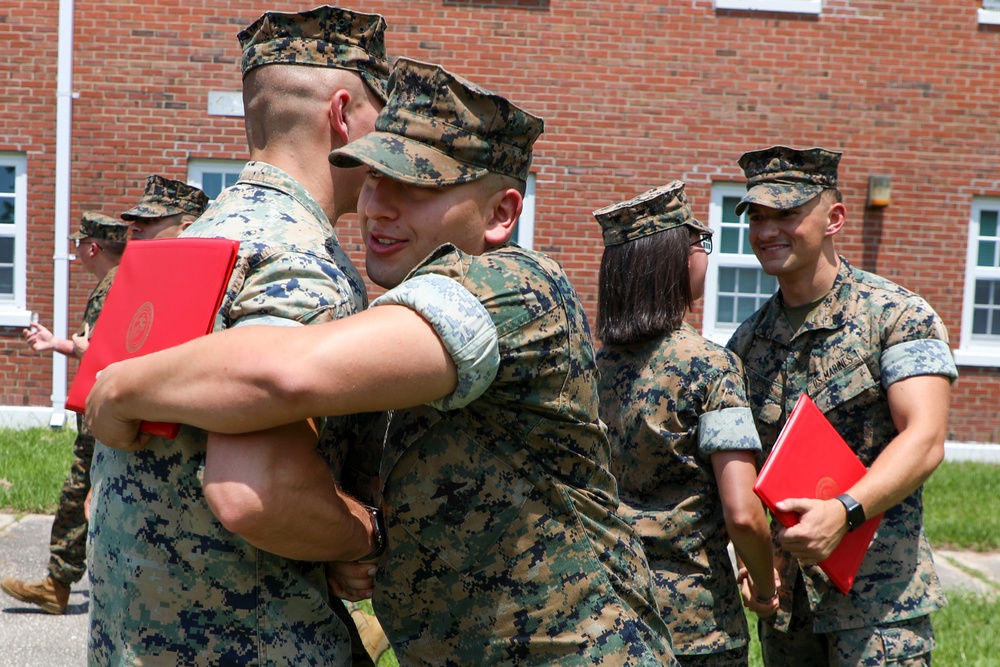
x,y
61,257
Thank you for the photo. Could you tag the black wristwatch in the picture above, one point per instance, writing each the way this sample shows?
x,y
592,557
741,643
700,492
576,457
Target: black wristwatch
x,y
381,541
855,512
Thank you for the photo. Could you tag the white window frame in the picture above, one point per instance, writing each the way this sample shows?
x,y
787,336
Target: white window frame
x,y
789,6
989,15
198,168
14,311
524,235
976,352
710,300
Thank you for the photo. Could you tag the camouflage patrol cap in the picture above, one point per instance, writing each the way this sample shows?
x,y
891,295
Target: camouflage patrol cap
x,y
653,211
439,129
782,177
164,196
100,227
325,37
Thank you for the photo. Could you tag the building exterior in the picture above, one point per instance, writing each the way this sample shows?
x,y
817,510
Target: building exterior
x,y
98,95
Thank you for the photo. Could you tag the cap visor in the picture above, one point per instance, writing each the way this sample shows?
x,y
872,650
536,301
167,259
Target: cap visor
x,y
405,160
778,196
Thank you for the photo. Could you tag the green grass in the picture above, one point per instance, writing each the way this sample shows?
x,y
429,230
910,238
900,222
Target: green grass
x,y
962,507
961,504
33,466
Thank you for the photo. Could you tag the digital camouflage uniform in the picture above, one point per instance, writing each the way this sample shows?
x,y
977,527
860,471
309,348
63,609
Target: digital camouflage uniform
x,y
503,542
670,402
68,539
168,581
866,334
170,585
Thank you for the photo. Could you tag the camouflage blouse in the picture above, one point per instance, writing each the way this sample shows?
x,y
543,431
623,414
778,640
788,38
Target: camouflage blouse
x,y
866,334
669,404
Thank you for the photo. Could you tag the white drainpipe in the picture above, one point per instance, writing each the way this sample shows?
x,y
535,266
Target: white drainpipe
x,y
61,256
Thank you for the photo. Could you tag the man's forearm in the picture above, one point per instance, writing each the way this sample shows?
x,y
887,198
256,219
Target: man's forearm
x,y
275,490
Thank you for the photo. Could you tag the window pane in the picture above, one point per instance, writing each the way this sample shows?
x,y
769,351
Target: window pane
x,y
7,174
6,211
979,316
988,223
768,284
747,307
211,184
727,279
231,179
730,240
995,322
726,308
984,292
729,209
6,282
748,281
6,250
987,253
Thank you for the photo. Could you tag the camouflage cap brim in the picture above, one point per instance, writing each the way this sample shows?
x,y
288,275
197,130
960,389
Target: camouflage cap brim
x,y
778,195
406,160
150,210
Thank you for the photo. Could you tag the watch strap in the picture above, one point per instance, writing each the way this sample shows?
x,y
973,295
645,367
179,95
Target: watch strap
x,y
380,536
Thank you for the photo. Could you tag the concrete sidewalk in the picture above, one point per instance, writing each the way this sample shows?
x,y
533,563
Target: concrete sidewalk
x,y
31,637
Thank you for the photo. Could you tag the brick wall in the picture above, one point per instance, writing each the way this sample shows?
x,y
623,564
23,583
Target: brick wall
x,y
633,97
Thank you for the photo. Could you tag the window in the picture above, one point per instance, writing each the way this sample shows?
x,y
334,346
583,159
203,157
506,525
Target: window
x,y
13,240
524,230
735,285
990,12
214,176
791,6
979,343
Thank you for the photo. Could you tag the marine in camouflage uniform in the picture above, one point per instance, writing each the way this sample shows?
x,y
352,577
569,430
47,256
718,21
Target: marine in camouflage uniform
x,y
503,545
865,334
68,538
170,584
671,400
166,209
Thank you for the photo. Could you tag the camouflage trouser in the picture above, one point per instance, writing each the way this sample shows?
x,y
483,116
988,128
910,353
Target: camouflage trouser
x,y
737,657
68,542
904,644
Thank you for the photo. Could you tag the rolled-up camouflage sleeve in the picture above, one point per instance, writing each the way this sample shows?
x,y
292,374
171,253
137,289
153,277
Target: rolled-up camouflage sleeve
x,y
463,325
927,356
725,430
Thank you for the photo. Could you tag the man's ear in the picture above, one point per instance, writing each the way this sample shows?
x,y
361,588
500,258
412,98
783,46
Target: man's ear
x,y
506,208
338,115
186,222
835,218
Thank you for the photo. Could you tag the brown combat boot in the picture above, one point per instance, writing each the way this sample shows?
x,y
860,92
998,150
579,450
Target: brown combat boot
x,y
49,594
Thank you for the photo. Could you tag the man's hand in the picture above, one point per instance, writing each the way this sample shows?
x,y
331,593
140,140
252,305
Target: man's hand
x,y
103,419
822,524
39,338
762,605
351,581
81,341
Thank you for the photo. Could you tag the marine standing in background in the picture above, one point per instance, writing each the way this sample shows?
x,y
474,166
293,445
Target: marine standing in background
x,y
100,242
166,209
683,443
874,357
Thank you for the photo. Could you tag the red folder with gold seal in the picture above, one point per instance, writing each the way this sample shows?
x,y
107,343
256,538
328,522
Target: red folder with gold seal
x,y
811,460
165,292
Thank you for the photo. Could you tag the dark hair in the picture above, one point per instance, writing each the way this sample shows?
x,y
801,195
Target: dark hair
x,y
644,287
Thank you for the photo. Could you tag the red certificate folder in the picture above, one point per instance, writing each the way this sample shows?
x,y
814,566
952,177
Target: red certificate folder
x,y
811,460
166,292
